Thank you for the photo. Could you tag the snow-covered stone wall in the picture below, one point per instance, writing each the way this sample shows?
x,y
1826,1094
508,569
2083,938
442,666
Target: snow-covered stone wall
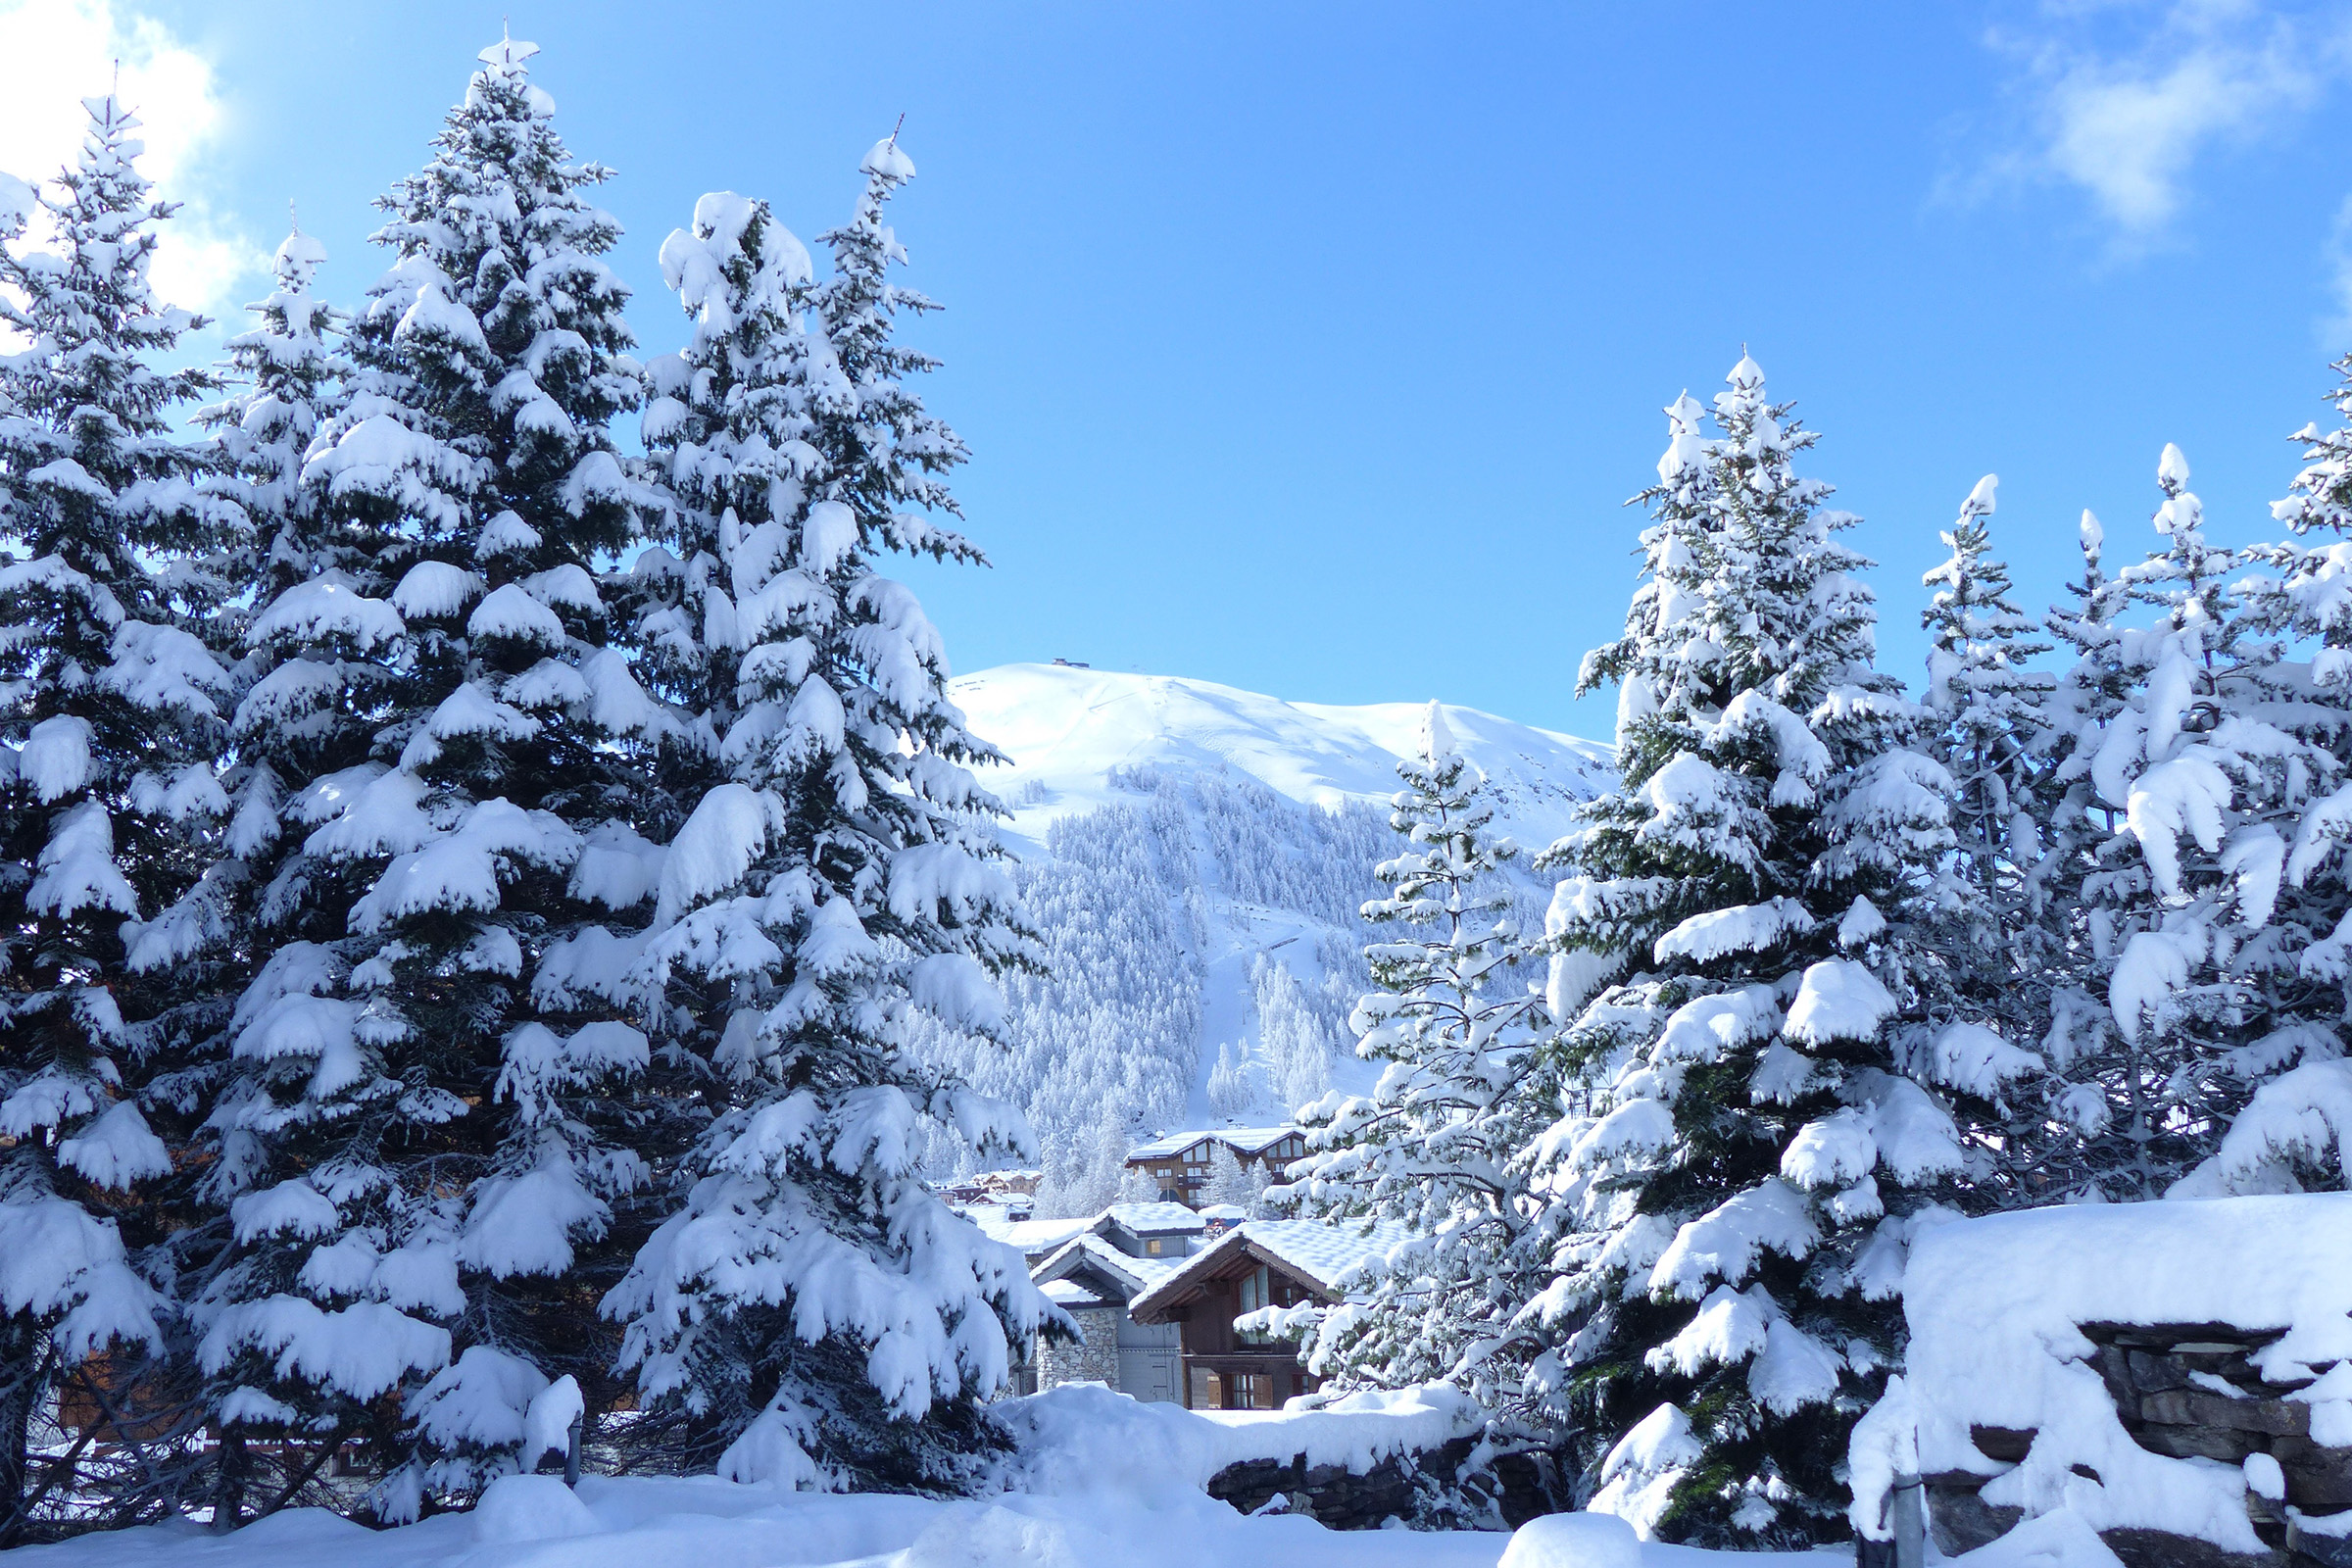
x,y
2175,1376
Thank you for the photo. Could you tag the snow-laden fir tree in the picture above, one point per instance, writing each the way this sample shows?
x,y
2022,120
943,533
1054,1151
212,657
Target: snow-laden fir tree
x,y
1985,711
430,1119
1231,1182
2065,1154
286,379
2205,780
283,378
2295,1132
1744,1187
728,422
111,710
811,1313
1437,1144
1996,936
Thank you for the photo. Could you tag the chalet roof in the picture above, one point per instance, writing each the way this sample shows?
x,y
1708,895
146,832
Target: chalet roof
x,y
1032,1238
1134,1274
1156,1219
1317,1254
1069,1293
1242,1139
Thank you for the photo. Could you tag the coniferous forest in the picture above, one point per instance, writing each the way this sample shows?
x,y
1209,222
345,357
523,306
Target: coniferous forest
x,y
501,932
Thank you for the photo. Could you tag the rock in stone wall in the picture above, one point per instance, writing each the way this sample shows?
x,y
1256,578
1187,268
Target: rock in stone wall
x,y
1394,1488
1096,1359
2190,1391
1333,1497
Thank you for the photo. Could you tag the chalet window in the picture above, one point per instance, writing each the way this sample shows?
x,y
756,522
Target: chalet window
x,y
1256,1290
1151,1247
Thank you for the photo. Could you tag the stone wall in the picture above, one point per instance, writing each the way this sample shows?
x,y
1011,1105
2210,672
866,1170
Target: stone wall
x,y
1400,1487
2185,1390
1095,1358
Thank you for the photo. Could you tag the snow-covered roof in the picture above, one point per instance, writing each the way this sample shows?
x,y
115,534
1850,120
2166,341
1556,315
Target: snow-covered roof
x,y
1229,1213
1242,1139
1067,1293
1136,1273
1322,1253
1030,1237
1087,1439
1156,1219
1321,1250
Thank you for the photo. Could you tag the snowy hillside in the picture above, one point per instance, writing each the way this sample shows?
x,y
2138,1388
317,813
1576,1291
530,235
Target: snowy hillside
x,y
1069,731
1194,857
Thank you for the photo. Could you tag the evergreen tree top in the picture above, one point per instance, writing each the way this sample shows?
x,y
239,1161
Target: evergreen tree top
x,y
2321,495
88,311
1980,638
894,453
492,351
1746,590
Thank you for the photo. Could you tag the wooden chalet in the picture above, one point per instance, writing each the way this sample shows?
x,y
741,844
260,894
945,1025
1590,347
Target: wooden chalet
x,y
1179,1162
1260,1263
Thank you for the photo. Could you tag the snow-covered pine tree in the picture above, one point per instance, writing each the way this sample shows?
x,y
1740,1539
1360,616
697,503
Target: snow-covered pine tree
x,y
1232,1087
1997,940
111,710
1232,1182
288,379
1744,1192
1986,707
429,1122
2068,1153
2295,1131
1437,1144
728,419
811,1313
283,378
2203,965
1089,1176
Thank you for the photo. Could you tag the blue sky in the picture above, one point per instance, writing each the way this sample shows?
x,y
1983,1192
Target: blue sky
x,y
1313,348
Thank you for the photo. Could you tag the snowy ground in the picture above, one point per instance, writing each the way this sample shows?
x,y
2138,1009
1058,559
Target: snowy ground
x,y
641,1523
1100,1481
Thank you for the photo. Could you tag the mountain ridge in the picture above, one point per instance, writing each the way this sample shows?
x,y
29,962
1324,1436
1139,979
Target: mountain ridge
x,y
1055,725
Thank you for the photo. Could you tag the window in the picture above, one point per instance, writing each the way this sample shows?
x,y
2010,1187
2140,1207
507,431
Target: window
x,y
1151,1247
1256,1290
1249,1391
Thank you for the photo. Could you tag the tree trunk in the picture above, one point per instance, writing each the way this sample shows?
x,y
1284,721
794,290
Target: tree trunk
x,y
27,1363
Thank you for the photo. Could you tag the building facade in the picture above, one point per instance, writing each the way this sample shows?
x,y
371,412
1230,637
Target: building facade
x,y
1223,1365
1180,1162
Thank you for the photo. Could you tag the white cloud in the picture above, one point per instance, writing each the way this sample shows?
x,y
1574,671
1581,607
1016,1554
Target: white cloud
x,y
60,51
2123,99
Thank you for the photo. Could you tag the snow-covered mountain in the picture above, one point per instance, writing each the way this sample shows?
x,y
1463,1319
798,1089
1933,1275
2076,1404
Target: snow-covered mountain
x,y
1070,731
1194,857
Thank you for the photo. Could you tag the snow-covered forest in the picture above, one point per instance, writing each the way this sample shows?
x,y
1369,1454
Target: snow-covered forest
x,y
506,917
1195,860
